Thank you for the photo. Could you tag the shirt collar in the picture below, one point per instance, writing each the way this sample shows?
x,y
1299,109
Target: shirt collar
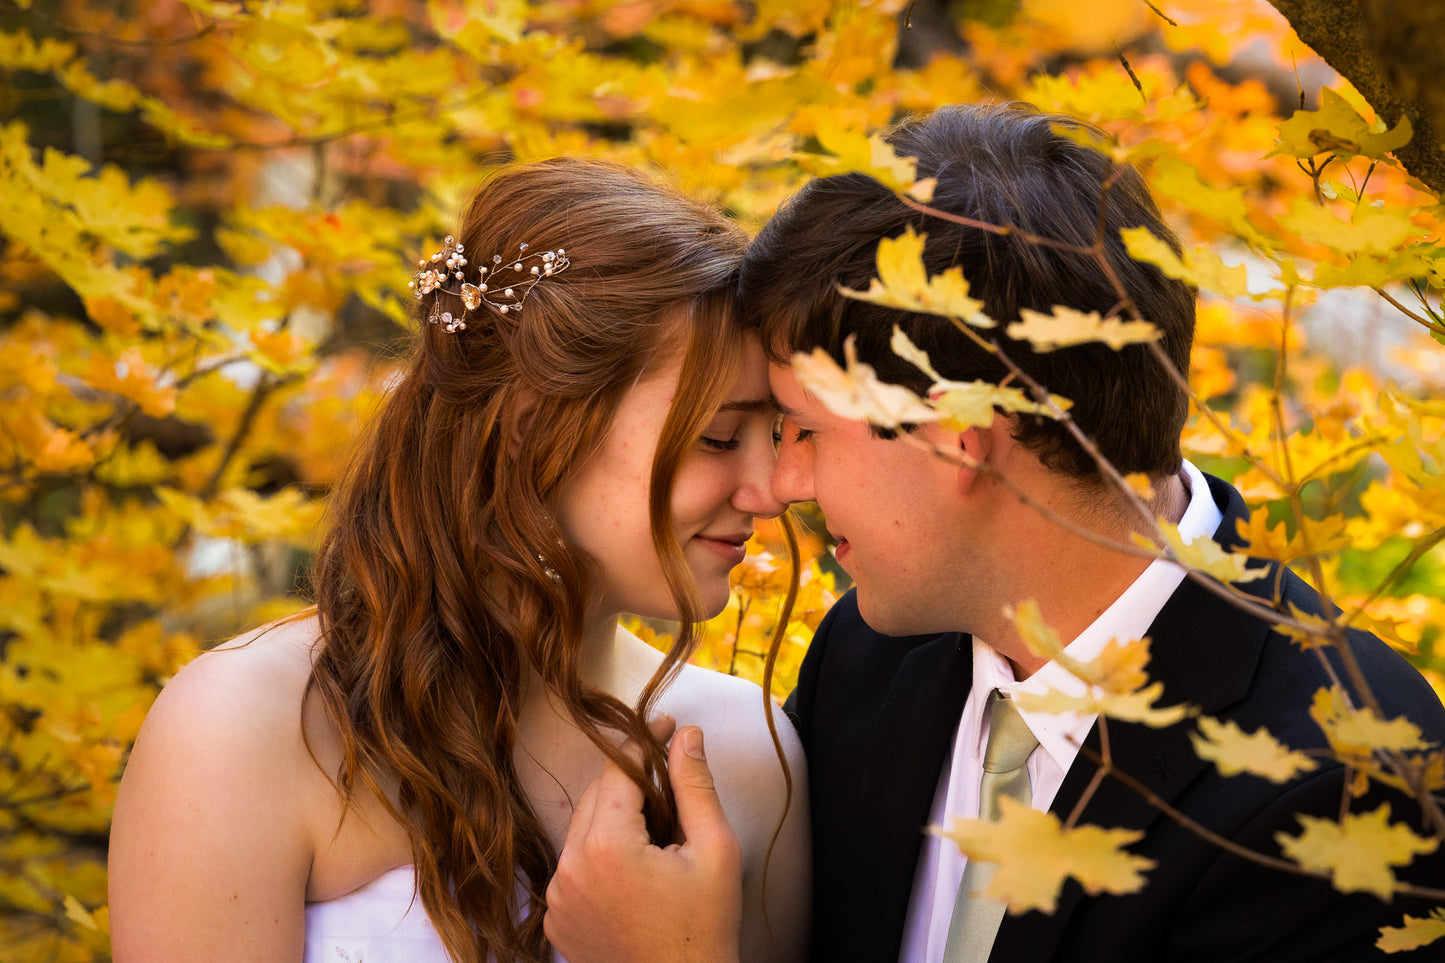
x,y
1129,617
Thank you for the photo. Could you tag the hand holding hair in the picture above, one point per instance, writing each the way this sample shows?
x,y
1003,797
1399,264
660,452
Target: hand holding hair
x,y
618,897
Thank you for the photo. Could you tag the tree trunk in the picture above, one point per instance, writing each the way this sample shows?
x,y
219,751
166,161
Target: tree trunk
x,y
1390,50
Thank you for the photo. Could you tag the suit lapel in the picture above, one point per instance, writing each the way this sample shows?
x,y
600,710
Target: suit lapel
x,y
1206,652
899,778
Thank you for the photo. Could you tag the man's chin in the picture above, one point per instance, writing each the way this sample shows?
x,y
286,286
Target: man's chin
x,y
891,619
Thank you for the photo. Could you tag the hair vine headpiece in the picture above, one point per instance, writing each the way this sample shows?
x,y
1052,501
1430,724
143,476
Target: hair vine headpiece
x,y
507,295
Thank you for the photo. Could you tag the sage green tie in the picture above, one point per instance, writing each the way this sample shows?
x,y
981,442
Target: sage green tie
x,y
976,919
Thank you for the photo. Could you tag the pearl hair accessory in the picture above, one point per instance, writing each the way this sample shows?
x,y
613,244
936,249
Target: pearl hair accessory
x,y
495,285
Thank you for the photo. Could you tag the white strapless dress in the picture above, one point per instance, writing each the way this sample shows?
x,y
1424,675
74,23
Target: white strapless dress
x,y
382,922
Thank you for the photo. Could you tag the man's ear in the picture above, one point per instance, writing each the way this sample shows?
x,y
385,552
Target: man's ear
x,y
975,444
981,448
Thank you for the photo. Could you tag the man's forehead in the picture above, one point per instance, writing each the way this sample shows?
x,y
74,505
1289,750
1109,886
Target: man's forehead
x,y
788,393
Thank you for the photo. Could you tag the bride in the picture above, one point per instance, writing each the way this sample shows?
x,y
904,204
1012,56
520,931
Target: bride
x,y
583,430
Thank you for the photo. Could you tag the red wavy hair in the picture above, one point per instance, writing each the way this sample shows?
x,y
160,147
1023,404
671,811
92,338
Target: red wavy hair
x,y
432,601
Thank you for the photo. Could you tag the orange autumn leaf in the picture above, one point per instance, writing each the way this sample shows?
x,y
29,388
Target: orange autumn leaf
x,y
131,377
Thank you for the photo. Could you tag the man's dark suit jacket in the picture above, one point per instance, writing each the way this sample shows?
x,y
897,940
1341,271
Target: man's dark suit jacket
x,y
877,715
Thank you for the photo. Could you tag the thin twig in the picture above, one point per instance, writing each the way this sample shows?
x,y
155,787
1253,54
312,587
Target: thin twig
x,y
1130,71
1161,14
1229,845
1432,326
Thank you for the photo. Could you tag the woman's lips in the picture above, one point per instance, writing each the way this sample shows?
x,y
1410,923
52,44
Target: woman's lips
x,y
731,549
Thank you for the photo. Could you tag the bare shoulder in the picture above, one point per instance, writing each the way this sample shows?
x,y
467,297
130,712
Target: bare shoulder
x,y
265,665
242,697
210,827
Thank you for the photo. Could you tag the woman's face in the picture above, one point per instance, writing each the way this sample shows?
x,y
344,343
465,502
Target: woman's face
x,y
721,486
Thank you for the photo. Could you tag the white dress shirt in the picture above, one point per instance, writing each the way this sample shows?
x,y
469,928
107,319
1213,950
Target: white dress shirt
x,y
940,865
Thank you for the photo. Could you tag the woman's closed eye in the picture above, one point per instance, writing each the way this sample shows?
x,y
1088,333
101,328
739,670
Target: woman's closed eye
x,y
722,444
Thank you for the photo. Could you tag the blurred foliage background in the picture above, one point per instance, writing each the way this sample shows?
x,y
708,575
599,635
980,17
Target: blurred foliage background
x,y
208,216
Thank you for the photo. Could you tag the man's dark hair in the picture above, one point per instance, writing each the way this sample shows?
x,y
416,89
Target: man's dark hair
x,y
1002,165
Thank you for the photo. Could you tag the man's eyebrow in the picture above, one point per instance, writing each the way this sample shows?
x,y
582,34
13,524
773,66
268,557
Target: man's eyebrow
x,y
767,404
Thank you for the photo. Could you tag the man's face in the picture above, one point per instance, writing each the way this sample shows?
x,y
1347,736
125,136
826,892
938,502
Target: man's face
x,y
891,504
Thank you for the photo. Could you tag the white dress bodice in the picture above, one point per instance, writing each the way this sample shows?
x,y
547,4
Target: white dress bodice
x,y
382,922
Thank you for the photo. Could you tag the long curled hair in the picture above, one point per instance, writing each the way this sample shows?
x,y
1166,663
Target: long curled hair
x,y
444,580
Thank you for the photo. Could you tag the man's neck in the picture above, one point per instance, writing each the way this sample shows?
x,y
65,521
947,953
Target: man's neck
x,y
1074,577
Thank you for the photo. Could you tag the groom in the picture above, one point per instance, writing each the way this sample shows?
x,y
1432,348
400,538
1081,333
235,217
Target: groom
x,y
893,702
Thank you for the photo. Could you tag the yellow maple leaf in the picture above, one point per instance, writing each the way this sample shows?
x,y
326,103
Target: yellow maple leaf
x,y
904,347
1358,851
1137,706
1204,554
126,466
288,515
1263,539
1358,731
1338,128
1314,537
46,445
191,510
1234,751
760,573
856,391
1066,327
1116,675
1202,266
963,405
903,282
1369,230
966,404
1119,668
1177,180
1037,635
24,554
1312,632
1415,932
852,150
19,51
1373,270
1035,854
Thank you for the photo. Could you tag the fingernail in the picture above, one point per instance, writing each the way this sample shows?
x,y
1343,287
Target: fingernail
x,y
692,743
